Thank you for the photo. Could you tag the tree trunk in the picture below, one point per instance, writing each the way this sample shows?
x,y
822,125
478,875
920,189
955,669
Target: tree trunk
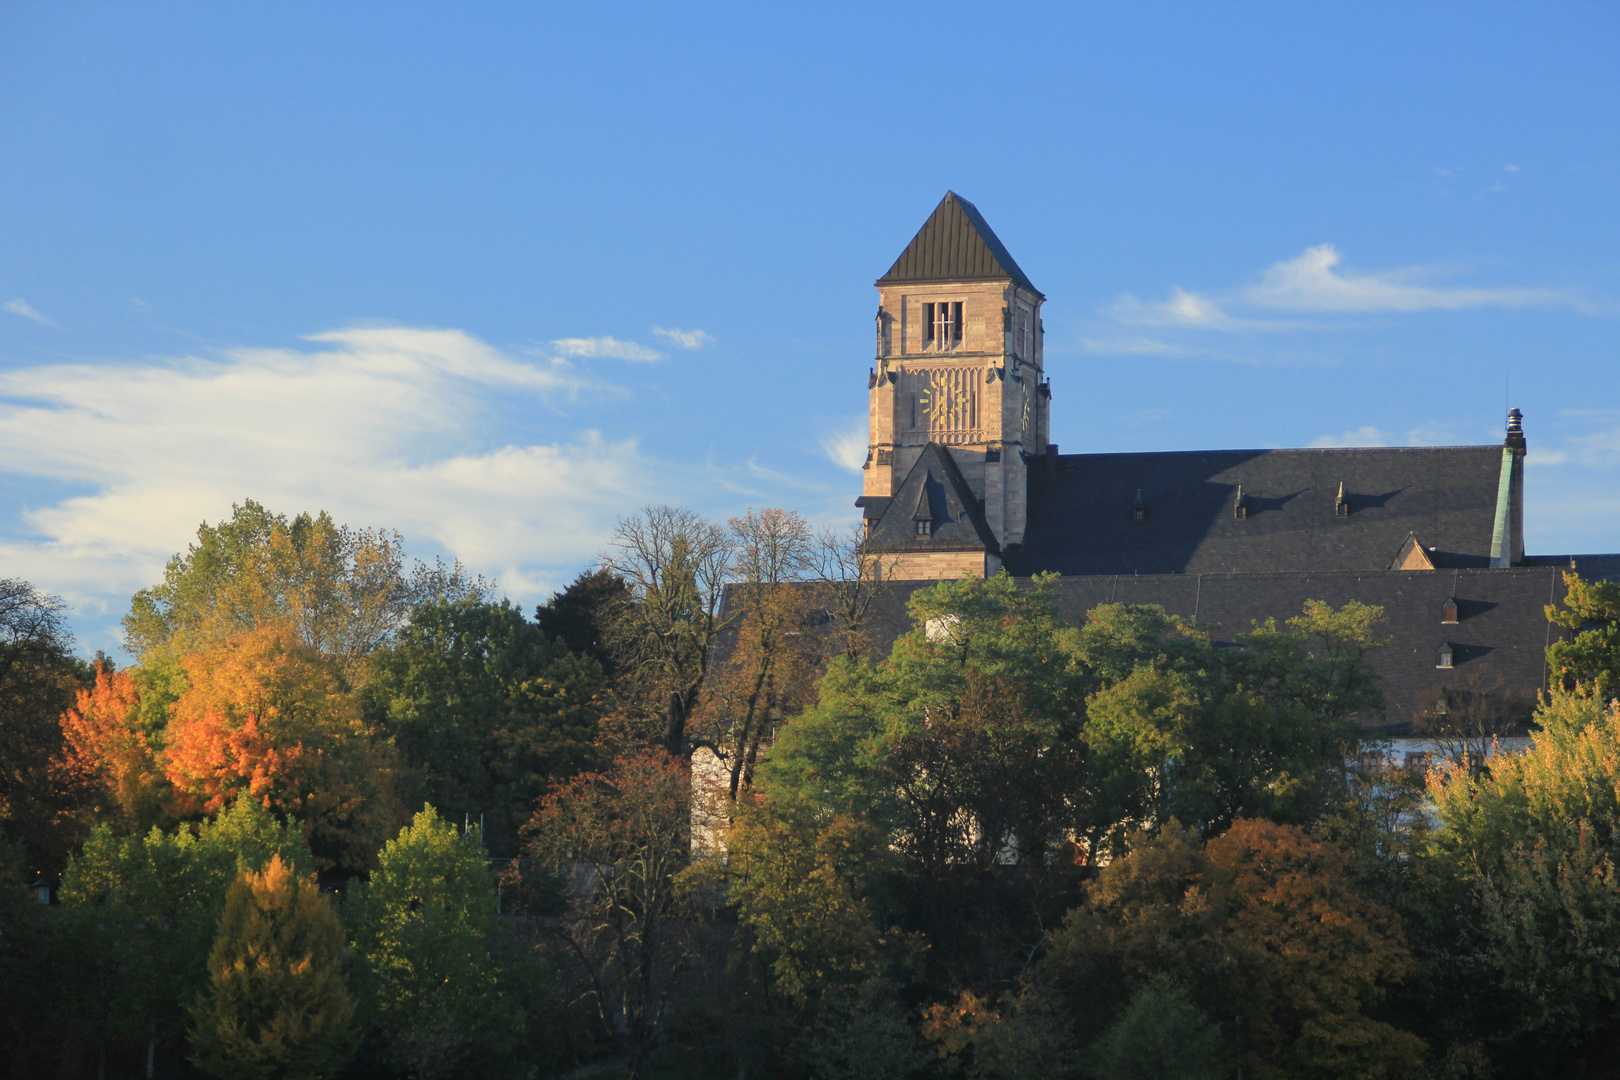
x,y
675,732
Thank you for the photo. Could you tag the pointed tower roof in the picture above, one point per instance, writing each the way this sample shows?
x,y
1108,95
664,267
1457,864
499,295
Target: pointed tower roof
x,y
955,244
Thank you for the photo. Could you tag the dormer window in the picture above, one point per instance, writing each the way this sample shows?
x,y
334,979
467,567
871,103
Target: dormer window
x,y
1445,656
1341,504
1448,611
1139,508
942,324
925,527
1240,509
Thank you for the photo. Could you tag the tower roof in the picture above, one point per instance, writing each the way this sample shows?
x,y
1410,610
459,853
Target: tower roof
x,y
955,244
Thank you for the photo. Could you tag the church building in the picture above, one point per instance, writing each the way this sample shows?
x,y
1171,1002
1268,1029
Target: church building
x,y
962,478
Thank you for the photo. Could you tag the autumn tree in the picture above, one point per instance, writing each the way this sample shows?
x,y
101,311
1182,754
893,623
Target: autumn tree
x,y
276,1007
426,933
269,718
1591,655
663,632
850,574
623,839
111,750
1467,719
485,709
342,591
1535,835
1267,932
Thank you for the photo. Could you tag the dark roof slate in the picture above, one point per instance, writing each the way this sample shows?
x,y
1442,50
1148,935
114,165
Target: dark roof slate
x,y
1502,630
1081,519
955,244
934,487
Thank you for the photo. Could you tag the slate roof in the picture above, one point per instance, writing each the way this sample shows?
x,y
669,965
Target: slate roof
x,y
955,244
1501,630
937,488
1081,519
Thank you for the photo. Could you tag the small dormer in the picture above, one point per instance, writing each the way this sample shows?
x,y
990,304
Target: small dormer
x,y
1139,508
1341,503
922,517
1240,509
1412,556
1448,611
1445,656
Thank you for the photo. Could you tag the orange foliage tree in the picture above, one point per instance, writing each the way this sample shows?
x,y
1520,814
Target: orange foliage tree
x,y
269,718
107,750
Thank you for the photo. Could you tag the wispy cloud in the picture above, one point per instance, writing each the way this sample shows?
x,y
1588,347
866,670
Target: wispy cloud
x,y
1362,436
384,426
684,339
1188,310
1133,347
847,446
1311,281
605,347
19,306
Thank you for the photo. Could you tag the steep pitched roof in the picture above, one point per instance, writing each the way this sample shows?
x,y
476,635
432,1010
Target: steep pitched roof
x,y
955,244
934,488
1081,519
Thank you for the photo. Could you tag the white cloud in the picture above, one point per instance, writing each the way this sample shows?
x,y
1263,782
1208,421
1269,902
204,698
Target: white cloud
x,y
605,347
1510,168
1133,347
1310,282
1362,436
685,339
1188,310
847,447
381,425
19,306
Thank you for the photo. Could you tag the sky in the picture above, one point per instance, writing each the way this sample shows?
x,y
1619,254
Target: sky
x,y
496,275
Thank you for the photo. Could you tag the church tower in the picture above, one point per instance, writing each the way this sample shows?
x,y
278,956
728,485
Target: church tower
x,y
957,387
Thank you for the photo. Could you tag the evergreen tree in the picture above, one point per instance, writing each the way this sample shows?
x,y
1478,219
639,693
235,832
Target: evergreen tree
x,y
276,1007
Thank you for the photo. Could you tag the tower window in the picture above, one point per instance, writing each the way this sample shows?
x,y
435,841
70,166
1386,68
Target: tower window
x,y
925,527
942,324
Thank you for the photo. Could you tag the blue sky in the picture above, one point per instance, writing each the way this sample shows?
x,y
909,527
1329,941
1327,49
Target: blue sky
x,y
494,275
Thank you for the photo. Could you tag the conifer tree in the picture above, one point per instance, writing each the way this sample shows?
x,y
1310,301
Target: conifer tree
x,y
276,1007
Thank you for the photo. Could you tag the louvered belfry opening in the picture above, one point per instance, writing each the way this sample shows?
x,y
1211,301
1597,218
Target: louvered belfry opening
x,y
942,324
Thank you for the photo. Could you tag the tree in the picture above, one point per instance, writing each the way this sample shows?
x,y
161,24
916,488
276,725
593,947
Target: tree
x,y
663,634
624,838
268,718
112,752
276,1006
850,574
1535,835
38,677
1161,1035
426,929
1591,656
141,912
581,616
486,711
342,591
769,670
1264,928
1466,719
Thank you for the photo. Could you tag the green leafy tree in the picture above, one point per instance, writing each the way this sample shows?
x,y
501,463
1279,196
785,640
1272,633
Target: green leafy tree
x,y
581,616
1161,1035
141,911
486,710
276,1007
426,930
1591,655
344,591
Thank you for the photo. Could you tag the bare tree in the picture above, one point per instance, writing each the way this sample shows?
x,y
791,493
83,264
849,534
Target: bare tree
x,y
1465,719
774,652
663,632
852,574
